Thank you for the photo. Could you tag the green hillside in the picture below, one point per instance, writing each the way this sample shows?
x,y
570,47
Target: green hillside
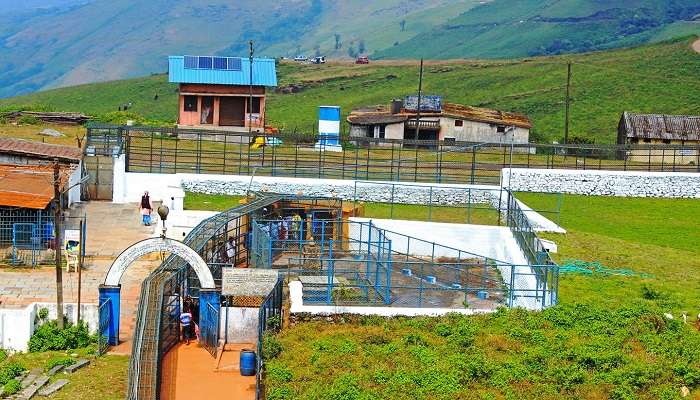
x,y
116,39
658,78
505,28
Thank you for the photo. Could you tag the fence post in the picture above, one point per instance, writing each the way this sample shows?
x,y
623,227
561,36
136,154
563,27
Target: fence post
x,y
331,267
511,288
369,249
389,268
473,163
391,212
430,204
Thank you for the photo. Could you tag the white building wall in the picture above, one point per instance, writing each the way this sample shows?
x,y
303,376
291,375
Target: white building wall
x,y
480,132
239,325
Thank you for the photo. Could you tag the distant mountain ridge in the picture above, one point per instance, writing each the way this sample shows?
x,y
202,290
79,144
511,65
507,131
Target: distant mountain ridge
x,y
54,43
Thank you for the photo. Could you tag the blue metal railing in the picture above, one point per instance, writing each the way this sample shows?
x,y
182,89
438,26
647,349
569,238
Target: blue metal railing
x,y
269,320
104,312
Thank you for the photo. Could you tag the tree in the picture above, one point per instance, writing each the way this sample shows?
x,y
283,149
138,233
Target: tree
x,y
403,25
338,45
361,47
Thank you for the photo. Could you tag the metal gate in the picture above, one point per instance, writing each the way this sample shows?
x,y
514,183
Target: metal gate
x,y
100,170
209,325
105,316
25,237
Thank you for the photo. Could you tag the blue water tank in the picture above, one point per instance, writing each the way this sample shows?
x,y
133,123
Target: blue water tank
x,y
248,362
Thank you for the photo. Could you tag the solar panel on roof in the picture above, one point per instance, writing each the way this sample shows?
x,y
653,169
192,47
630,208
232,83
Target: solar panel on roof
x,y
205,62
191,62
234,64
220,63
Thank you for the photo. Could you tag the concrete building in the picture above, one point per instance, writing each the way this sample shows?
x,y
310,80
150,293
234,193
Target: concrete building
x,y
215,91
439,121
673,139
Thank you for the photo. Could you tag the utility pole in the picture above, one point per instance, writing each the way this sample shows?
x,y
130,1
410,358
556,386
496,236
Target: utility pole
x,y
81,242
57,242
250,87
420,94
568,102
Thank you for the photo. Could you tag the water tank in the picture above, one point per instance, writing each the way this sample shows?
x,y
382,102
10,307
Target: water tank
x,y
396,106
248,362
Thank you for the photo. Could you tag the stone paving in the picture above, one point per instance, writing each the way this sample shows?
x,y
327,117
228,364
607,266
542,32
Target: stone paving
x,y
111,228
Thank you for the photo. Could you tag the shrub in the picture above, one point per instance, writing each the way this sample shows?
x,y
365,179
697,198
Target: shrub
x,y
65,361
49,337
13,386
10,371
651,293
3,355
271,346
28,120
280,393
278,372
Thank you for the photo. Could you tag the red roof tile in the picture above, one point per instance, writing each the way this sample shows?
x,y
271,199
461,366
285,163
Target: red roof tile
x,y
40,150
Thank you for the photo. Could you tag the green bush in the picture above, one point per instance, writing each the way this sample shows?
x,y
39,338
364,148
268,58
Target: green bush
x,y
13,386
271,346
28,120
10,371
49,337
65,361
3,355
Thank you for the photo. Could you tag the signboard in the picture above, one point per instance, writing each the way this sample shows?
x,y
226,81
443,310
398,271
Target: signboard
x,y
427,103
247,281
71,240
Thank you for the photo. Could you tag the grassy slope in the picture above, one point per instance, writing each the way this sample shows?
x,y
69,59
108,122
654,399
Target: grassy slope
x,y
504,28
639,79
604,341
105,377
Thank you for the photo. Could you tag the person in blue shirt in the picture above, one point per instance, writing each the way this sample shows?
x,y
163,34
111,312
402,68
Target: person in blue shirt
x,y
186,323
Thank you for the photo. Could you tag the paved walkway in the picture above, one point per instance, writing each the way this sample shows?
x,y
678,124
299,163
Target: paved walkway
x,y
111,228
190,372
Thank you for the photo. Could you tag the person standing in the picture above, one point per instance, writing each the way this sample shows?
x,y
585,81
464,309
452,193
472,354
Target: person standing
x,y
186,323
146,208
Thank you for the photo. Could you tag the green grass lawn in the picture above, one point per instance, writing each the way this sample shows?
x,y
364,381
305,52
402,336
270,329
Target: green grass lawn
x,y
105,377
607,339
210,202
654,236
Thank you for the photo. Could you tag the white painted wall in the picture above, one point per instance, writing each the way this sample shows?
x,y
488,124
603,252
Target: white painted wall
x,y
494,242
74,180
18,325
242,327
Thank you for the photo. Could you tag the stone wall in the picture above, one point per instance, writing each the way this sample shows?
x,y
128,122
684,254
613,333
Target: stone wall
x,y
382,193
604,183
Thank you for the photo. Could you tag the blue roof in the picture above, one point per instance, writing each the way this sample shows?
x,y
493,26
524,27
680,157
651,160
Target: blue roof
x,y
221,70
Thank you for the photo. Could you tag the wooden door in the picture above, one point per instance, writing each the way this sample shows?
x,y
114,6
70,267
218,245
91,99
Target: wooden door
x,y
232,111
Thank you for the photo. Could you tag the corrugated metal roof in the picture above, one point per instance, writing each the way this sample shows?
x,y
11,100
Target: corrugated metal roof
x,y
40,150
264,73
382,115
28,186
661,126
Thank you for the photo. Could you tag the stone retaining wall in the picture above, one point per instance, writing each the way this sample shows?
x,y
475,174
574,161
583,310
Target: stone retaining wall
x,y
370,192
604,183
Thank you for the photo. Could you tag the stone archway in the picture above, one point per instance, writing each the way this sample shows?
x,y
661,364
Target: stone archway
x,y
111,289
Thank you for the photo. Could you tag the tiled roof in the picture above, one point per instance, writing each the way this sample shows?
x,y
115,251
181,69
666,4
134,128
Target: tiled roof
x,y
383,115
28,186
40,150
264,73
660,126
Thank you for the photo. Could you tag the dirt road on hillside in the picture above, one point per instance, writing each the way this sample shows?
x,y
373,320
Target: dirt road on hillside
x,y
696,46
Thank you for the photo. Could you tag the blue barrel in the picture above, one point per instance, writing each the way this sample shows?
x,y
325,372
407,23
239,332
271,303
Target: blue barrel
x,y
248,362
